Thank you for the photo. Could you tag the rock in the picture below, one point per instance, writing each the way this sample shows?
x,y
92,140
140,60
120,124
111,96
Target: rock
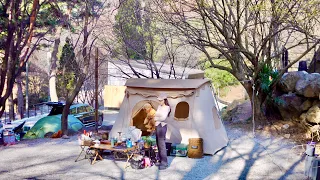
x,y
303,117
285,126
316,102
314,128
234,104
65,137
287,136
277,127
289,80
292,107
242,113
313,114
306,105
310,86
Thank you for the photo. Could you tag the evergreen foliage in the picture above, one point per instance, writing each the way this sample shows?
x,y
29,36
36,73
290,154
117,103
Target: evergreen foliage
x,y
130,25
67,71
266,77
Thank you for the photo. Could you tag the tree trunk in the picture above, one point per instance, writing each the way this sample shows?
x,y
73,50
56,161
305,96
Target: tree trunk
x,y
259,117
20,98
9,70
69,101
64,118
256,100
82,76
11,108
53,66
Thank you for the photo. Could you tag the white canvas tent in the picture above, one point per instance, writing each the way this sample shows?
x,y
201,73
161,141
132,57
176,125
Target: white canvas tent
x,y
193,114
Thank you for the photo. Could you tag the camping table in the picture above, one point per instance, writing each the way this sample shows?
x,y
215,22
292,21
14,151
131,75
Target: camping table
x,y
83,145
117,149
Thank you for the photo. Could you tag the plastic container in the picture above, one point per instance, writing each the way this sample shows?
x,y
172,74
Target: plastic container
x,y
129,143
112,142
179,150
9,139
140,144
17,136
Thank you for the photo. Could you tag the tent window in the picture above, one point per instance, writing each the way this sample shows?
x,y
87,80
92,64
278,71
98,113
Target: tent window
x,y
182,111
216,118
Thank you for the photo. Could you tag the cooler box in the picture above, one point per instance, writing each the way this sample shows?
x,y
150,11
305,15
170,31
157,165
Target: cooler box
x,y
9,139
179,150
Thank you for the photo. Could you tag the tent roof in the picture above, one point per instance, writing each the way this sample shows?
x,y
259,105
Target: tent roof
x,y
166,83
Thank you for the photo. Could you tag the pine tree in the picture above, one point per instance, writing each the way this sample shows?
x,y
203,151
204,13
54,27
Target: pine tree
x,y
67,70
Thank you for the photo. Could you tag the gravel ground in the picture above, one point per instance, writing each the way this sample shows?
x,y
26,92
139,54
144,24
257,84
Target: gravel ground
x,y
244,158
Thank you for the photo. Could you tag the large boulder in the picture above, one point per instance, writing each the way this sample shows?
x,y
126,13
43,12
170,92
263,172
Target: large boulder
x,y
242,113
307,104
309,86
292,107
289,80
313,114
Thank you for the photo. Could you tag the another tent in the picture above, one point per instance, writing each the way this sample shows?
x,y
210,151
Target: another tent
x,y
52,124
194,112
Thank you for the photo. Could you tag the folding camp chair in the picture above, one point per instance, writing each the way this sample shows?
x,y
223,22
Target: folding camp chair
x,y
85,148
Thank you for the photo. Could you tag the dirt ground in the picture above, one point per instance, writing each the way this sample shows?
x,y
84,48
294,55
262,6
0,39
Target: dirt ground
x,y
232,93
263,156
266,154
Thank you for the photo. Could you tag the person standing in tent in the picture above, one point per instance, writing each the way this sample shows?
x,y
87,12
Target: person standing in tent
x,y
161,115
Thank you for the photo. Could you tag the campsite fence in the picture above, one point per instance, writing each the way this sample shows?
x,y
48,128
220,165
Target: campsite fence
x,y
34,110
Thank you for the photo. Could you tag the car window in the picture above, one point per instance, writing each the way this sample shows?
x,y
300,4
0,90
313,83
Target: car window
x,y
89,109
81,109
73,111
56,110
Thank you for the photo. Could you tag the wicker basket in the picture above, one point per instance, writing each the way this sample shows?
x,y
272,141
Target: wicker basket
x,y
195,148
86,143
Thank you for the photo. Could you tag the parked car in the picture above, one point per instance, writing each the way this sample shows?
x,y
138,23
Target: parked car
x,y
84,112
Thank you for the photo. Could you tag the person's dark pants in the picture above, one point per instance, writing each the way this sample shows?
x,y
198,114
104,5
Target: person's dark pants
x,y
161,143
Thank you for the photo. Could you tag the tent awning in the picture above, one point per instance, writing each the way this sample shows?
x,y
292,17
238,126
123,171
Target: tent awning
x,y
151,93
166,83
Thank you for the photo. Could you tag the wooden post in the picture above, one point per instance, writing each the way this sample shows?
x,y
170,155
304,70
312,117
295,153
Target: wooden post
x,y
96,89
27,88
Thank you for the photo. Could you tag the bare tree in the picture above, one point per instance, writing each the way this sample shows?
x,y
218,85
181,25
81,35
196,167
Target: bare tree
x,y
61,23
248,33
144,42
20,31
87,93
90,13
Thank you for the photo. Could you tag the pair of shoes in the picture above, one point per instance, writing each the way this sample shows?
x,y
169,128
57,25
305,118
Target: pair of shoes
x,y
163,167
